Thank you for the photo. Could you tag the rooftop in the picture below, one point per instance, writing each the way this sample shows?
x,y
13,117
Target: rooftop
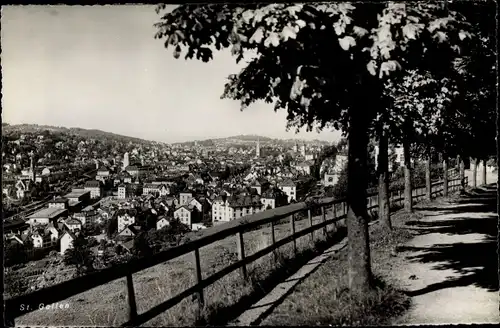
x,y
76,193
47,213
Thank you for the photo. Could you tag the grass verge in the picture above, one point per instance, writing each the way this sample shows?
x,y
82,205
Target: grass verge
x,y
323,298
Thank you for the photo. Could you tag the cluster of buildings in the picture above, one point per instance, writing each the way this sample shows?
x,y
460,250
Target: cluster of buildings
x,y
191,186
53,225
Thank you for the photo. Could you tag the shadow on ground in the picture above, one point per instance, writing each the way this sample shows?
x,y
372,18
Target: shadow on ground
x,y
475,262
221,316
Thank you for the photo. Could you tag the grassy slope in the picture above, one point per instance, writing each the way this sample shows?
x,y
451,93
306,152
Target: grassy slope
x,y
161,282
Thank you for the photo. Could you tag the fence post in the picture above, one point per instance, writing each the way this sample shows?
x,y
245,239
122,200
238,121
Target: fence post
x,y
241,255
201,300
323,219
131,298
273,241
310,224
292,228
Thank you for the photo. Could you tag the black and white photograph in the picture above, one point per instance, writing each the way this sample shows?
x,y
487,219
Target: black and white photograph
x,y
245,164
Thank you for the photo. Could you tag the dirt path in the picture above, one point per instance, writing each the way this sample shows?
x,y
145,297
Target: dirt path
x,y
450,269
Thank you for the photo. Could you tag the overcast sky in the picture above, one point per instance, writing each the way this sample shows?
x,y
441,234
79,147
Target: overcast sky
x,y
100,67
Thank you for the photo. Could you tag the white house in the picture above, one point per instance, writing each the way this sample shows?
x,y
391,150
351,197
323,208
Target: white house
x,y
122,191
162,222
289,188
66,241
183,214
185,198
52,231
125,217
94,187
196,203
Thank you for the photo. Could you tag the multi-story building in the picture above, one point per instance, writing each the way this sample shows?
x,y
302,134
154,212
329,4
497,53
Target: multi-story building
x,y
273,198
185,198
122,191
154,188
184,214
225,209
94,187
289,188
125,217
102,174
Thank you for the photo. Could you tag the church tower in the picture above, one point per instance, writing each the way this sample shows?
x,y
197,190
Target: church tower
x,y
257,148
32,167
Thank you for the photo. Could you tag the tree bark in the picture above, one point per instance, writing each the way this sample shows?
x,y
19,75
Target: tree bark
x,y
360,274
408,202
428,182
383,181
462,174
474,173
483,178
445,176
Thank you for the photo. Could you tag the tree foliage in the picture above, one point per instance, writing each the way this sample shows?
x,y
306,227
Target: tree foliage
x,y
309,58
80,255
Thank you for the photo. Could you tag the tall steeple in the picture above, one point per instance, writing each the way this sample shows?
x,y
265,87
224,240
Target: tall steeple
x,y
257,148
32,167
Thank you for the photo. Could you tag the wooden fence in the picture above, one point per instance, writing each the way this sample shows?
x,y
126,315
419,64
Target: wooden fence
x,y
237,227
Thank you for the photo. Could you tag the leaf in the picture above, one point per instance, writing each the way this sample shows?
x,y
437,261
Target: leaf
x,y
259,14
463,35
177,52
347,42
339,27
359,31
372,67
388,67
410,31
273,39
258,35
288,33
441,36
300,23
247,16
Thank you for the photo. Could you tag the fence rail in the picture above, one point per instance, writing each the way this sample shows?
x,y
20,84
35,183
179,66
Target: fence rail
x,y
237,227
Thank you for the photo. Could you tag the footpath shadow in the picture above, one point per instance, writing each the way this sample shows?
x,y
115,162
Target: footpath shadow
x,y
223,315
485,201
475,262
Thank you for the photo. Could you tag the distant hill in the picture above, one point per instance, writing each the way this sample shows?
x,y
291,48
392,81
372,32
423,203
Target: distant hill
x,y
251,138
86,133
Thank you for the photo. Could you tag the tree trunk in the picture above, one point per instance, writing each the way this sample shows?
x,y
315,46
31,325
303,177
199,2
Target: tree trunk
x,y
474,173
483,178
408,202
428,182
360,274
383,181
445,176
462,174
